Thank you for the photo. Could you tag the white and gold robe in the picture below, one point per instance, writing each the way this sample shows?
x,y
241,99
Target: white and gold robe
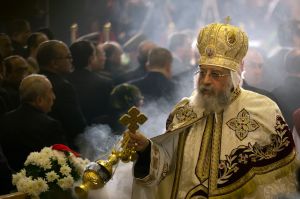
x,y
246,151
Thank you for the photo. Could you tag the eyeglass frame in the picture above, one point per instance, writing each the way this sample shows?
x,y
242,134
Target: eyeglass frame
x,y
213,74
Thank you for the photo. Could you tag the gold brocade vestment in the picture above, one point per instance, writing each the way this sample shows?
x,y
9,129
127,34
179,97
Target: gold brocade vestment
x,y
246,151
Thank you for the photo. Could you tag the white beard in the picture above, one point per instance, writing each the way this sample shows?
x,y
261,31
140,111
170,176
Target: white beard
x,y
215,102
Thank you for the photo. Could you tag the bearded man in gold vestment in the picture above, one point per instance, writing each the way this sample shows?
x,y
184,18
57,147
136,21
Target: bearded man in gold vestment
x,y
222,141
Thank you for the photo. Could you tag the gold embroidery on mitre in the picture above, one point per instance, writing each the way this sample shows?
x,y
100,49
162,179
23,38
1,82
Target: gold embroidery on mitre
x,y
228,43
210,51
231,38
242,124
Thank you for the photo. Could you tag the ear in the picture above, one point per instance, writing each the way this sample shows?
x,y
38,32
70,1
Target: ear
x,y
38,101
53,63
242,66
91,59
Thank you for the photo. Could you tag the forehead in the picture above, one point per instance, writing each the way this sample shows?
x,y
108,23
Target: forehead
x,y
41,38
100,51
48,83
18,62
4,39
215,68
254,56
61,48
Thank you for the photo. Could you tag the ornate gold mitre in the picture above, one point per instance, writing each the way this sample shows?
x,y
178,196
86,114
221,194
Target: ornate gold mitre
x,y
222,45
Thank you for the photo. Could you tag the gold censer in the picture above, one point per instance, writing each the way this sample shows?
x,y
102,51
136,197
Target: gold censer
x,y
98,173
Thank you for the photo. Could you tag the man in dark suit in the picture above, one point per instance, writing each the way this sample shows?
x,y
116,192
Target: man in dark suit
x,y
28,128
55,61
252,71
157,83
113,68
288,33
93,90
15,69
288,94
142,57
180,45
19,31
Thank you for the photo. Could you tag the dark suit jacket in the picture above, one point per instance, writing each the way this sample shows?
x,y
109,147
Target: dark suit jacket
x,y
19,49
93,92
260,91
25,130
274,70
132,75
66,108
288,96
10,95
155,86
5,174
3,106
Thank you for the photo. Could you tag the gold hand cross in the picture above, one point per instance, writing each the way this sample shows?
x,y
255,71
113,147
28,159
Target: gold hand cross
x,y
133,119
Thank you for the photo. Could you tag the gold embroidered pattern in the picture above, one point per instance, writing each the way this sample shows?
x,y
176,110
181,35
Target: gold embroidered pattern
x,y
229,42
170,122
164,171
242,159
185,113
242,124
155,159
231,38
235,94
179,162
202,167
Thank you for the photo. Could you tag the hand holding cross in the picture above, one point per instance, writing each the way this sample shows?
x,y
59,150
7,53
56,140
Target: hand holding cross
x,y
132,138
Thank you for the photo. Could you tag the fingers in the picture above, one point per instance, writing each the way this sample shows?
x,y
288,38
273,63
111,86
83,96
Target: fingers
x,y
136,140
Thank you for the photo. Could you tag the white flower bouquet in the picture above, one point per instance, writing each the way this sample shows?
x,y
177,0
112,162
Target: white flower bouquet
x,y
53,169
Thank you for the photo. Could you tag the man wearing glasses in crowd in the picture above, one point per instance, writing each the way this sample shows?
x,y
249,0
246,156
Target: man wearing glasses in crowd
x,y
55,61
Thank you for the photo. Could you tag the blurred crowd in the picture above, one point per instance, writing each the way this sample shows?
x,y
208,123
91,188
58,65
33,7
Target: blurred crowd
x,y
147,54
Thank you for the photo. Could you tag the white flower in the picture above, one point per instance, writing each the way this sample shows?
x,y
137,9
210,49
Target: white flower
x,y
66,183
48,161
51,176
65,170
44,162
18,176
59,155
31,187
32,158
42,184
79,163
47,151
61,160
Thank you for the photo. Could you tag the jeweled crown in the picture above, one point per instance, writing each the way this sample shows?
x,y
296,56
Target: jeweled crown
x,y
222,45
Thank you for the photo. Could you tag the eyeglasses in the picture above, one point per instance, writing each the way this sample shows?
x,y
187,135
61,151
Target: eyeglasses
x,y
216,75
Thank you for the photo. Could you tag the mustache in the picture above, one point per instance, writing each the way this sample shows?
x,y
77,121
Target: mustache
x,y
206,88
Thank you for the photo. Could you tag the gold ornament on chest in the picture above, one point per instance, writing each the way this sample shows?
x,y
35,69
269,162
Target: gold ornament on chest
x,y
242,124
185,113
